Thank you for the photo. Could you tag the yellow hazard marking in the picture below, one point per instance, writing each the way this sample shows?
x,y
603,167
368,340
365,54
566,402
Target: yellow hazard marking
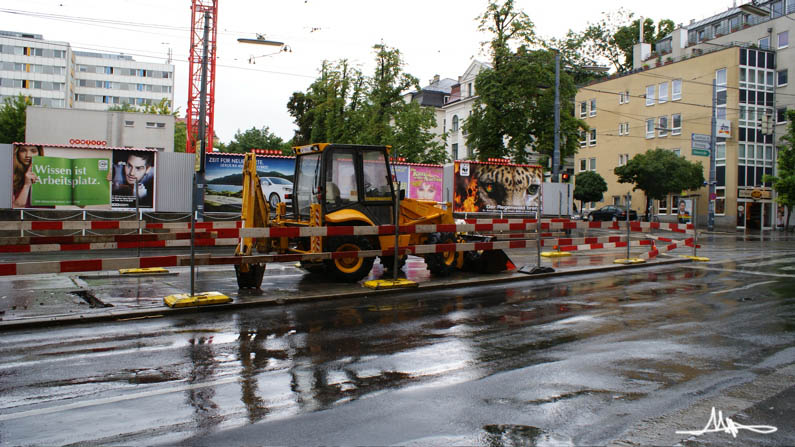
x,y
555,254
629,261
695,258
201,299
147,270
378,284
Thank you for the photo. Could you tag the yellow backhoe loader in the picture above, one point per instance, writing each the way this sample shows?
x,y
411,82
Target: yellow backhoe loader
x,y
348,185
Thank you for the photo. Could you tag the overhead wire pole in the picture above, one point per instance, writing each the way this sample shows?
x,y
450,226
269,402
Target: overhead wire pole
x,y
556,151
713,141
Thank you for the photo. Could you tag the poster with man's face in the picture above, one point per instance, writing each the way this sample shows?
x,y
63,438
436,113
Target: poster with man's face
x,y
133,177
684,213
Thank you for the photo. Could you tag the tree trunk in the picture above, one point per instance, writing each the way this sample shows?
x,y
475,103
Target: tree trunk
x,y
789,213
648,206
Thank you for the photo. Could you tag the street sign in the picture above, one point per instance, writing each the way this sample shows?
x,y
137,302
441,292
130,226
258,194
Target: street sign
x,y
699,141
700,152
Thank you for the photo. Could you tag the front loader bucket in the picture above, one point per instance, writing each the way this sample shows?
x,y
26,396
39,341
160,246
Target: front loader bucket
x,y
492,261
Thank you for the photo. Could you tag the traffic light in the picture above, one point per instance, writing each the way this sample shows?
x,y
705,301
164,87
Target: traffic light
x,y
564,177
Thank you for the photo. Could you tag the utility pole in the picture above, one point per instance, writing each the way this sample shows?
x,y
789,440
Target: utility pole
x,y
713,142
556,151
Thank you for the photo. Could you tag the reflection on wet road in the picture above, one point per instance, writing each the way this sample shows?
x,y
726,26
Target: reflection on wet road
x,y
571,360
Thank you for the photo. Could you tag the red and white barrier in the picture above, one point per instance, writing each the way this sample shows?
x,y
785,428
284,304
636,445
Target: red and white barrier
x,y
38,225
199,242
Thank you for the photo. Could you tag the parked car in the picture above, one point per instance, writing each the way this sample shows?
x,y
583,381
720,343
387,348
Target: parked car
x,y
277,189
612,212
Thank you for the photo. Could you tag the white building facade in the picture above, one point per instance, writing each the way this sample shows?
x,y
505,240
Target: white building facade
x,y
51,74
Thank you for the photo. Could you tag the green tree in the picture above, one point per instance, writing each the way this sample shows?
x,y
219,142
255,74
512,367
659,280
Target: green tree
x,y
613,36
335,98
385,96
300,107
784,182
514,109
180,136
589,186
412,138
12,119
660,172
255,138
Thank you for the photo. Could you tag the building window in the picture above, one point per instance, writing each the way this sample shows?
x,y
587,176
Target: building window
x,y
446,98
583,109
470,92
455,123
676,124
593,164
676,89
720,201
650,95
583,165
663,93
129,124
592,141
455,151
677,151
782,77
621,97
626,97
663,126
783,39
593,108
781,115
151,125
623,129
583,138
623,159
764,43
650,128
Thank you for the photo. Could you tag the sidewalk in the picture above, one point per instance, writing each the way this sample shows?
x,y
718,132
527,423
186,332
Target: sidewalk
x,y
53,299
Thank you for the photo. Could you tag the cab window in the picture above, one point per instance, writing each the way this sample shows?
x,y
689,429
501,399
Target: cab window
x,y
376,178
307,178
341,188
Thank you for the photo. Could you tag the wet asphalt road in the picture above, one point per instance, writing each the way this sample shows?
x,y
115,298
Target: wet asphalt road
x,y
575,360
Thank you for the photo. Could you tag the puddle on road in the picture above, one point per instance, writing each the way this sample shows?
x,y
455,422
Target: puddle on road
x,y
89,297
510,435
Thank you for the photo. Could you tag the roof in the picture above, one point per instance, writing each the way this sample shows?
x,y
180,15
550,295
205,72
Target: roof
x,y
442,85
728,13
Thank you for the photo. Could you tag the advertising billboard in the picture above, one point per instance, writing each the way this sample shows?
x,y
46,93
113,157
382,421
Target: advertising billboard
x,y
224,178
501,188
82,178
426,183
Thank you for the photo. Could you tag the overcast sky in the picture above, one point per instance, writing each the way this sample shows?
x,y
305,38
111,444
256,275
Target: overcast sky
x,y
434,36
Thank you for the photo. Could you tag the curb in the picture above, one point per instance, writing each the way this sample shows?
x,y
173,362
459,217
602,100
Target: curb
x,y
159,312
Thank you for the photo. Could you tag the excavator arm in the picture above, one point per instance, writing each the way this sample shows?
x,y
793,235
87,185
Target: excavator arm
x,y
255,213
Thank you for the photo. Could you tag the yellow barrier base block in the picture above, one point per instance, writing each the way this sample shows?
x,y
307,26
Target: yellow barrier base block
x,y
695,258
400,283
143,271
555,254
201,299
629,261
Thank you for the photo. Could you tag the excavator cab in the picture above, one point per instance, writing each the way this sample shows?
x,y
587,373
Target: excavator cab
x,y
352,184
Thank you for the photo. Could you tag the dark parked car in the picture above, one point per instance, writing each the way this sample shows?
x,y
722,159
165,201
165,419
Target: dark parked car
x,y
612,212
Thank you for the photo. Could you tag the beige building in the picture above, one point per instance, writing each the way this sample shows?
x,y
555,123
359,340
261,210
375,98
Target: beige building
x,y
663,107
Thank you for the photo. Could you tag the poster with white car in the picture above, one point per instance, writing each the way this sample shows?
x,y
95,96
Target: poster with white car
x,y
224,178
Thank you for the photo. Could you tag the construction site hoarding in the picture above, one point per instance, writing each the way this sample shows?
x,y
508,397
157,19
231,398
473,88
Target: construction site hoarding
x,y
69,177
504,188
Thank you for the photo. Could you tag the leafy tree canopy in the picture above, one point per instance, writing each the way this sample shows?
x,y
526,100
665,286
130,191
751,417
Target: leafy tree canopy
x,y
255,138
12,119
660,172
589,186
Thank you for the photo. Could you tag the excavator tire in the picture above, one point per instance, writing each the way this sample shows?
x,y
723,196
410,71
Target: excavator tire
x,y
441,264
252,279
352,269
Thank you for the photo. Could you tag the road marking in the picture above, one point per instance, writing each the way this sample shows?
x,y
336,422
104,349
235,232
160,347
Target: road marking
x,y
743,287
777,275
110,400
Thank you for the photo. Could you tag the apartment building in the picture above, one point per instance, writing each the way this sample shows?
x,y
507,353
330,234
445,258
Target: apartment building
x,y
662,107
52,74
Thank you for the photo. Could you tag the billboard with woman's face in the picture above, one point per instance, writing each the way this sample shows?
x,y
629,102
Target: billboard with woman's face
x,y
426,183
80,178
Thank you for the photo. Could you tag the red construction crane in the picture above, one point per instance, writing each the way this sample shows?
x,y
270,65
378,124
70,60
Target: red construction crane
x,y
201,11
